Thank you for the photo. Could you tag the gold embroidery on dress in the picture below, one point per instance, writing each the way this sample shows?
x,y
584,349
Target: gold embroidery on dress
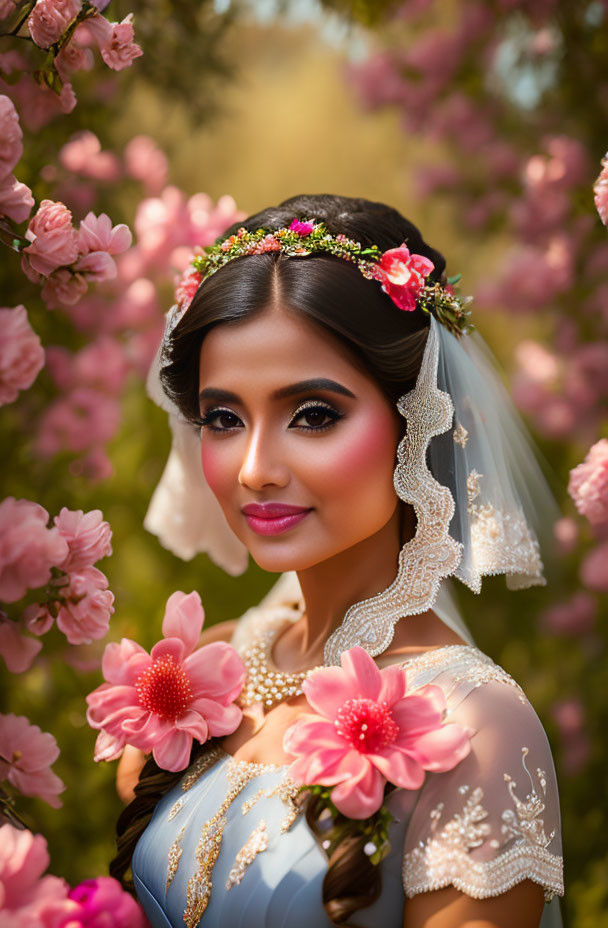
x,y
461,435
201,764
432,553
176,808
444,858
175,852
256,842
199,887
287,790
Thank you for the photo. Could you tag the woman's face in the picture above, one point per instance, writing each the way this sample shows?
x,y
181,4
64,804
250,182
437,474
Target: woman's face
x,y
271,435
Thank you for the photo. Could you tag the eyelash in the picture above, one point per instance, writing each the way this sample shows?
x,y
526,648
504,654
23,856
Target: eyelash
x,y
209,418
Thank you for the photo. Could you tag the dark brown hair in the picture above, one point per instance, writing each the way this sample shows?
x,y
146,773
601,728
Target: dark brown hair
x,y
387,342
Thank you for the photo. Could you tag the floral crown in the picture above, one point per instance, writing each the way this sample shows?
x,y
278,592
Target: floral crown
x,y
403,276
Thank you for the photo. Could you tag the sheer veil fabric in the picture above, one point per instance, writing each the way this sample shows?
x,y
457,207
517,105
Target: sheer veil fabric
x,y
465,463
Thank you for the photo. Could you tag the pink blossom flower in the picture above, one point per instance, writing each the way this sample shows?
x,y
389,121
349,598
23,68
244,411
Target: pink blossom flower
x,y
7,8
368,730
21,354
594,569
11,137
72,58
18,651
96,233
53,237
600,191
63,288
569,716
565,531
16,199
37,619
145,162
38,105
402,275
301,228
89,538
160,701
588,484
97,266
83,155
50,18
103,903
29,899
115,40
76,422
26,755
86,607
574,617
28,549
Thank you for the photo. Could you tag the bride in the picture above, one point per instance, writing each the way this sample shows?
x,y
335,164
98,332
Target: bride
x,y
354,438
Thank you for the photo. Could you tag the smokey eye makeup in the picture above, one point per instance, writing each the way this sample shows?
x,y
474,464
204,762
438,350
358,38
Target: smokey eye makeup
x,y
318,410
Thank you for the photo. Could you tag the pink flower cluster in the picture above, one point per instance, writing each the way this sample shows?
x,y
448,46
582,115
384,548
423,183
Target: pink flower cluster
x,y
26,755
160,701
21,354
588,484
83,155
16,199
572,618
600,191
34,554
569,716
367,729
68,258
29,899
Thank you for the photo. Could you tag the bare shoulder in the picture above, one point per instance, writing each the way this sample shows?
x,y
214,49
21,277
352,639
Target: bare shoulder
x,y
221,631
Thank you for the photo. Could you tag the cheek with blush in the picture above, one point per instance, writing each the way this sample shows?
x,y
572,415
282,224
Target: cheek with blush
x,y
215,470
356,465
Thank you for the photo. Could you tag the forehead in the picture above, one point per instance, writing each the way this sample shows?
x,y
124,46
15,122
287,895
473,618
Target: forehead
x,y
278,344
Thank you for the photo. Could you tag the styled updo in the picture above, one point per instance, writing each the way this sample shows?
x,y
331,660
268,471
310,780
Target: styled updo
x,y
387,341
328,290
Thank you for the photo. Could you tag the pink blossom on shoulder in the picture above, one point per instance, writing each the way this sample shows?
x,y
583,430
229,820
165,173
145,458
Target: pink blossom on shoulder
x,y
89,538
86,606
21,354
19,651
28,549
11,137
600,191
26,755
29,899
53,238
160,701
366,730
16,199
50,18
103,902
588,484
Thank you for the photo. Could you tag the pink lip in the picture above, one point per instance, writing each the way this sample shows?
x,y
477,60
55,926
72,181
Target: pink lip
x,y
273,518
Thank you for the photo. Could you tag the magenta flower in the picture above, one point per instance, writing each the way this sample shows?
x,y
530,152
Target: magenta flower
x,y
402,275
26,755
160,701
102,903
302,228
368,730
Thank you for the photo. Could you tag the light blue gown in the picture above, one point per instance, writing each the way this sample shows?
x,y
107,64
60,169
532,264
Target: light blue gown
x,y
482,827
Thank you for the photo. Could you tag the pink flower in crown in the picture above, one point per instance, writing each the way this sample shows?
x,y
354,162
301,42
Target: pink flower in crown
x,y
402,275
302,228
187,285
367,729
160,701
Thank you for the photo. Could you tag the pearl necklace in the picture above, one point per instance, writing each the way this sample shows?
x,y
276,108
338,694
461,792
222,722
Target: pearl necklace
x,y
264,684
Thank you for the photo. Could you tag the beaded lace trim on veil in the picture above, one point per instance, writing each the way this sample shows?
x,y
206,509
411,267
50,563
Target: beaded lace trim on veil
x,y
432,553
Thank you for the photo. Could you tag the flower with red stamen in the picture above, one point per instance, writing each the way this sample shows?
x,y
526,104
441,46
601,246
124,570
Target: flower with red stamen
x,y
160,701
366,730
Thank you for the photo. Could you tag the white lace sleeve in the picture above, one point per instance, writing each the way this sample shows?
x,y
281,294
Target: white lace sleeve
x,y
494,820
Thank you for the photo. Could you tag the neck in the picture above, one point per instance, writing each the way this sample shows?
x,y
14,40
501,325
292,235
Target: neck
x,y
331,587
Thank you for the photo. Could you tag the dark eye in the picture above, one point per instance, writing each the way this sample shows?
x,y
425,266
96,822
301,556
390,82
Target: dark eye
x,y
226,419
316,415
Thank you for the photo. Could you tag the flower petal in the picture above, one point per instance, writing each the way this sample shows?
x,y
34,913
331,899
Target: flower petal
x,y
122,663
362,670
194,723
312,733
442,748
361,795
327,689
328,767
216,671
173,751
184,618
169,647
419,711
222,720
398,768
393,684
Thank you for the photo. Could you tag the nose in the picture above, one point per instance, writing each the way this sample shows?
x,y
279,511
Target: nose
x,y
262,464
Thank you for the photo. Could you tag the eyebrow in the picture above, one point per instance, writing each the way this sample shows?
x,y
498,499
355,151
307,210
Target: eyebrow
x,y
303,386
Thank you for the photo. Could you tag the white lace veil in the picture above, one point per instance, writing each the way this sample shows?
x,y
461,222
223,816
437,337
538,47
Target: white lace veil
x,y
465,463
